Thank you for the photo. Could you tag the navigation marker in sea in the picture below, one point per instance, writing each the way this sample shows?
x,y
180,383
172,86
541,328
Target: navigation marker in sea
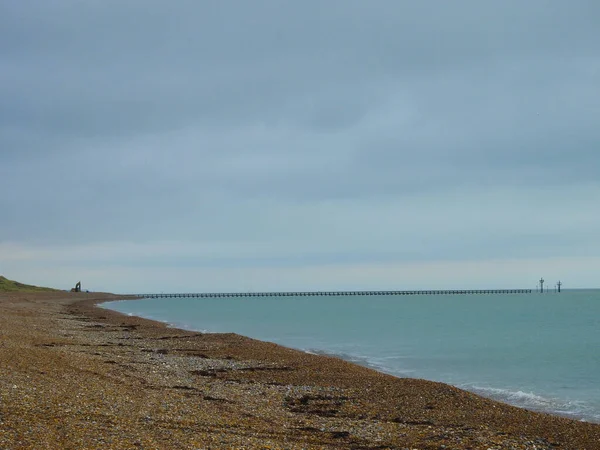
x,y
541,285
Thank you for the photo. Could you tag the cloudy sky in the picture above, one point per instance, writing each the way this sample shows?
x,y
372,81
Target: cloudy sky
x,y
196,145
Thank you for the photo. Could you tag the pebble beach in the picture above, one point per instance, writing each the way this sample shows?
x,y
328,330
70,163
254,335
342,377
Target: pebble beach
x,y
75,376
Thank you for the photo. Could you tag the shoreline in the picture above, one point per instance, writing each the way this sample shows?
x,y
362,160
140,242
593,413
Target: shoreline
x,y
529,399
80,376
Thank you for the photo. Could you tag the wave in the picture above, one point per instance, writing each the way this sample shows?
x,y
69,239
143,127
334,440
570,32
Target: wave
x,y
573,409
365,361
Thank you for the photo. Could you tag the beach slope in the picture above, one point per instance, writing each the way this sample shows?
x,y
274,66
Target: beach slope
x,y
76,376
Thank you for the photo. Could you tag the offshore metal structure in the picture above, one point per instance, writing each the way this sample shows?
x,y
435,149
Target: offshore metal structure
x,y
556,289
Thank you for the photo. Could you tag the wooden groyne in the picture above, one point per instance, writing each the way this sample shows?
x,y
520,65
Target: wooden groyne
x,y
334,293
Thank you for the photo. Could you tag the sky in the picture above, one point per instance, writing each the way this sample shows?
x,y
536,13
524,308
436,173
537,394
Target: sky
x,y
274,145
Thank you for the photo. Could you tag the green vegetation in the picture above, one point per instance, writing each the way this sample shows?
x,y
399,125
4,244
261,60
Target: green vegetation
x,y
7,285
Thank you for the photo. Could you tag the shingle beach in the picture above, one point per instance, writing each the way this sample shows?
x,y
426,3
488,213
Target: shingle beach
x,y
75,376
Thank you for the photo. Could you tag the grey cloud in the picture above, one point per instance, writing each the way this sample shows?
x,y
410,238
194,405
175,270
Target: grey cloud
x,y
128,66
229,121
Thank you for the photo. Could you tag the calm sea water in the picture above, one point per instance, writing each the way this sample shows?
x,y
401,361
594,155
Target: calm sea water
x,y
538,351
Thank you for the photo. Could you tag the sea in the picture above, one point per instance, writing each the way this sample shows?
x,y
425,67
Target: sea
x,y
539,351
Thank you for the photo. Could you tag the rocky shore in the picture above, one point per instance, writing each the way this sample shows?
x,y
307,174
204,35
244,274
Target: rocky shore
x,y
74,376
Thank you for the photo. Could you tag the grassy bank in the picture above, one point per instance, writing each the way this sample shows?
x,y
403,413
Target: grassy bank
x,y
7,285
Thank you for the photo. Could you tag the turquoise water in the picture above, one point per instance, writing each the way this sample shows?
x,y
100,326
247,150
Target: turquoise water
x,y
538,351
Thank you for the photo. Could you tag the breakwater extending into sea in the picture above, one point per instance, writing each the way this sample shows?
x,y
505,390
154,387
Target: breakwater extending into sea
x,y
334,293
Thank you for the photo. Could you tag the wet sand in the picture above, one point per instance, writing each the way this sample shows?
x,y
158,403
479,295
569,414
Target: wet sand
x,y
75,376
